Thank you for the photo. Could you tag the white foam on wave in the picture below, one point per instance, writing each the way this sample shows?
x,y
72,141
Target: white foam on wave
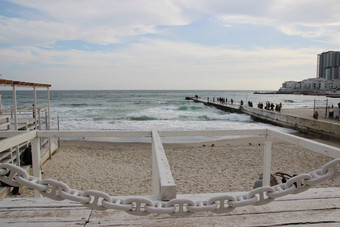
x,y
167,125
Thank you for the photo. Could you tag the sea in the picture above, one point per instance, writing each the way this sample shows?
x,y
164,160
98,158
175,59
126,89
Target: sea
x,y
152,109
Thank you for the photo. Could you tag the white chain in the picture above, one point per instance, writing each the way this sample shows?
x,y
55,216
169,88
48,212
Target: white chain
x,y
57,190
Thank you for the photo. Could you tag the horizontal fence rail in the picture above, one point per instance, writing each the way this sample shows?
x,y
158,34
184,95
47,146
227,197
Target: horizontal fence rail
x,y
325,149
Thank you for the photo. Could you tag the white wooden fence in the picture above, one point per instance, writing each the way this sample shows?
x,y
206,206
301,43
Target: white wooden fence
x,y
28,117
163,184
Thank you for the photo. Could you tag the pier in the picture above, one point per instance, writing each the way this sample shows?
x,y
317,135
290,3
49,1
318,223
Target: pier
x,y
321,127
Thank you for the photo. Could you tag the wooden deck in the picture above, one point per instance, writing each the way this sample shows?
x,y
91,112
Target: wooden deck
x,y
316,207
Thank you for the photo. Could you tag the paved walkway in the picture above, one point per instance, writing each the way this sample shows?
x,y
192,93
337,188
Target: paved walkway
x,y
308,113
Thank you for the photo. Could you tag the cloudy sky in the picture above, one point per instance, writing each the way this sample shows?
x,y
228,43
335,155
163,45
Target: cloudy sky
x,y
165,44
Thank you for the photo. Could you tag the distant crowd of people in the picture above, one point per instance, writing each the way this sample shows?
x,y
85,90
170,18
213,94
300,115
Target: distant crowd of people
x,y
260,105
270,106
223,100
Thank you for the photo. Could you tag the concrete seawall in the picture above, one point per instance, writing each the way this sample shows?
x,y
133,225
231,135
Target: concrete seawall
x,y
310,126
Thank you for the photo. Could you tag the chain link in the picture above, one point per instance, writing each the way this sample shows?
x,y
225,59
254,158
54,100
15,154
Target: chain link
x,y
57,190
220,202
139,205
117,204
75,195
281,190
181,206
53,189
202,206
13,171
332,166
96,199
243,200
32,182
160,208
3,172
262,193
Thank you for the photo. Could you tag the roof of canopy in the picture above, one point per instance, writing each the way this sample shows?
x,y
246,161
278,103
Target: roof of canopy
x,y
21,83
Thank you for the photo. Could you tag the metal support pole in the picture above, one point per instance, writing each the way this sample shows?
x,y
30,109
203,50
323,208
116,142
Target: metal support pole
x,y
58,130
36,162
39,117
35,107
267,159
16,121
15,108
48,109
48,123
326,109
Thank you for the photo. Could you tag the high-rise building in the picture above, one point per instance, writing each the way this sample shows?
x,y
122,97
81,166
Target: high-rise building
x,y
328,65
327,76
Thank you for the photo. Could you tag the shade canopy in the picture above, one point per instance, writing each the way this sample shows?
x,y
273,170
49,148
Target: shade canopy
x,y
21,83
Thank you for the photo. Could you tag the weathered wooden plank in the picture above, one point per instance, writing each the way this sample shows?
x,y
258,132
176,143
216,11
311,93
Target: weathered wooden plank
x,y
42,212
15,140
31,202
213,133
279,213
82,133
36,161
267,161
162,180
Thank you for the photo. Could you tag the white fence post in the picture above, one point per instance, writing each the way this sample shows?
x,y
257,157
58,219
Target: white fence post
x,y
267,159
162,181
36,162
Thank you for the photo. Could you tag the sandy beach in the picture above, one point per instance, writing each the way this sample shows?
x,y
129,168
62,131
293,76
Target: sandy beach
x,y
204,167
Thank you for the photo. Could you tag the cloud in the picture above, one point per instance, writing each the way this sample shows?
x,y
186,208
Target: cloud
x,y
106,22
314,19
21,32
101,22
158,64
125,56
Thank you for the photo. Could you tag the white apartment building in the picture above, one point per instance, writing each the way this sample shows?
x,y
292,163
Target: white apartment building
x,y
327,78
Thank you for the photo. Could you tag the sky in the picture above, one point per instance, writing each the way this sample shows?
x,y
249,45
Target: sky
x,y
165,44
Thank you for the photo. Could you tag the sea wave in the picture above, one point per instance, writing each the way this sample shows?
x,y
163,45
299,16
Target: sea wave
x,y
141,118
184,108
78,105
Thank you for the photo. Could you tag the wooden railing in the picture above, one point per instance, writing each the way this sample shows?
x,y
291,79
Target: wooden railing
x,y
27,118
5,122
163,184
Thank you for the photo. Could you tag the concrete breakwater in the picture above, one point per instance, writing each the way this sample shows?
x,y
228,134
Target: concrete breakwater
x,y
328,129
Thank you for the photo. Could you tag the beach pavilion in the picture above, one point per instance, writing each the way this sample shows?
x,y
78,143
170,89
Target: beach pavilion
x,y
17,119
